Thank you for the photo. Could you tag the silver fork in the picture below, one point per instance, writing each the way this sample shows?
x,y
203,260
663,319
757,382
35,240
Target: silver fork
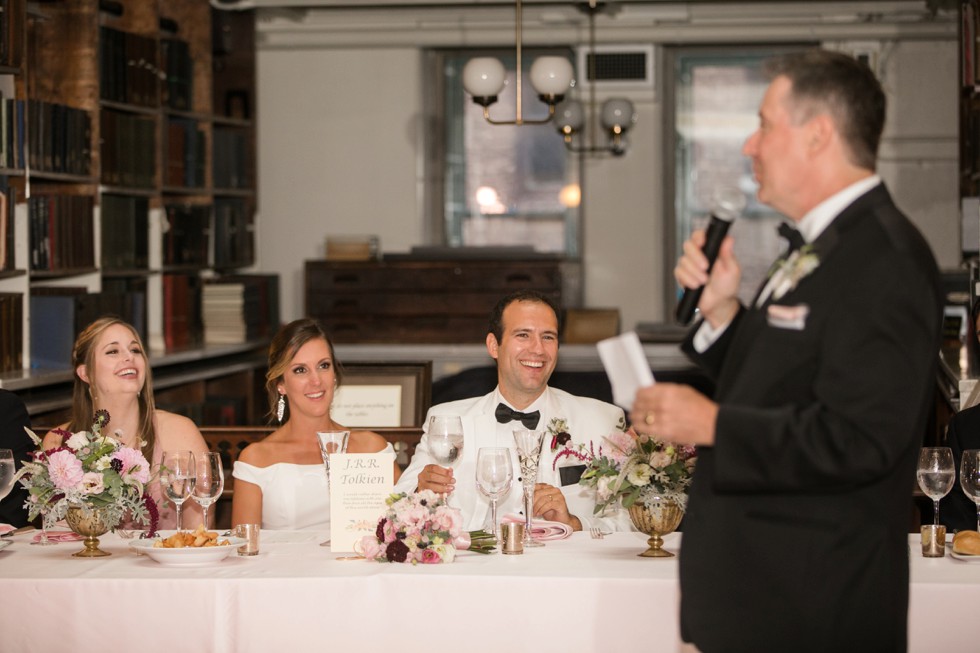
x,y
596,533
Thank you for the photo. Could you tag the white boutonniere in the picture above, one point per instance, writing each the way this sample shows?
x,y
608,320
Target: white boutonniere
x,y
788,273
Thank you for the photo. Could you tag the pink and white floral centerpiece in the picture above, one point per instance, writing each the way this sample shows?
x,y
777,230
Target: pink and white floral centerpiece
x,y
631,467
89,468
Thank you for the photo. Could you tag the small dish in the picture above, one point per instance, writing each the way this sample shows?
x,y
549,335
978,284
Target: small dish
x,y
965,557
188,556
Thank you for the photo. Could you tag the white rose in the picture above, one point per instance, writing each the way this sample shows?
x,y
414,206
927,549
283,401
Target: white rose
x,y
91,483
639,475
77,441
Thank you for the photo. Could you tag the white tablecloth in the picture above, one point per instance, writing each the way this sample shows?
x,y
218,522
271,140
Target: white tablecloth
x,y
573,595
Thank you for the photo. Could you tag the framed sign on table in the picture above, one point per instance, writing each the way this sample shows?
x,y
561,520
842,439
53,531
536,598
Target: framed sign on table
x,y
383,394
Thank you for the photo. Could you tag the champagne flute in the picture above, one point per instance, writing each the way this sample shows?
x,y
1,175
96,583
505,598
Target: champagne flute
x,y
46,524
936,474
331,442
177,477
494,476
970,478
6,472
445,436
210,481
529,454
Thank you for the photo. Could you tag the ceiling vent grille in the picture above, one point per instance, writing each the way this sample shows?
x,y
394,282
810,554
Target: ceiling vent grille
x,y
617,67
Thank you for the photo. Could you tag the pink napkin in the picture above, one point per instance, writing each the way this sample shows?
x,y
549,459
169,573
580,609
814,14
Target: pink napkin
x,y
60,536
5,528
542,529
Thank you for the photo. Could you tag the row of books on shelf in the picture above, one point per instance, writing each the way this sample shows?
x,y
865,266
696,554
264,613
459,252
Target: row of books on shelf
x,y
213,411
12,327
178,74
231,309
234,233
12,122
11,32
239,308
186,154
59,314
128,149
124,232
8,200
231,148
62,232
61,138
186,232
128,67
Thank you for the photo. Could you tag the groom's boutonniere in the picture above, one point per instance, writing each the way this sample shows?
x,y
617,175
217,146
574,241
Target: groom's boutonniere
x,y
788,273
558,428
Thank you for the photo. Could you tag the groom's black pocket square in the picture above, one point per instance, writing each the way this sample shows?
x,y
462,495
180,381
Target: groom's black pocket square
x,y
570,474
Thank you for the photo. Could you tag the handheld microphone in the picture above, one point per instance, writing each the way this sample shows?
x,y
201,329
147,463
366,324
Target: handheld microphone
x,y
729,203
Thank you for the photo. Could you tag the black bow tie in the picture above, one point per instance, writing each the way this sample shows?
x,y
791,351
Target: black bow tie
x,y
505,413
791,234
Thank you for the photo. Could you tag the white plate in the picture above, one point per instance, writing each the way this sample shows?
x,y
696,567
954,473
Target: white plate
x,y
188,556
965,557
5,543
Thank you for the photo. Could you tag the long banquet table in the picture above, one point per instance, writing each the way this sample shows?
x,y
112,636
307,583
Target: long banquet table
x,y
577,594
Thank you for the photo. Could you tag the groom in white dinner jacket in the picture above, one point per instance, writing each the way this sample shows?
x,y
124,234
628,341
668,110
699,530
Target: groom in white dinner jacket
x,y
523,339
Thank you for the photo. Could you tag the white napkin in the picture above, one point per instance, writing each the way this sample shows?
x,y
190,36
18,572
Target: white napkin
x,y
542,529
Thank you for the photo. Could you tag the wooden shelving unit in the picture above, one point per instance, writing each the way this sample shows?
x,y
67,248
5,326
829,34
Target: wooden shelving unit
x,y
131,110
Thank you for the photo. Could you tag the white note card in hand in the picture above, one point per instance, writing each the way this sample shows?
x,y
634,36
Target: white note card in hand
x,y
626,366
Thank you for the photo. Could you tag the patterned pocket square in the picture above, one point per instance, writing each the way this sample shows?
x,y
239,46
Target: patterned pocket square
x,y
787,317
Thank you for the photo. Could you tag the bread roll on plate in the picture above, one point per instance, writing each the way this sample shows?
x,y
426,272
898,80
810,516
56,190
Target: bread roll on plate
x,y
967,543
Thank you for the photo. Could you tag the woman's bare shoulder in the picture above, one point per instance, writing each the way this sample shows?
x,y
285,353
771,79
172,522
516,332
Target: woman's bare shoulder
x,y
263,453
54,437
178,432
367,442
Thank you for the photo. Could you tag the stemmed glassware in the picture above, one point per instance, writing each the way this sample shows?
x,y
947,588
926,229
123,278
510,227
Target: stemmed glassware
x,y
936,474
494,476
445,437
6,472
210,481
331,442
970,477
177,477
529,455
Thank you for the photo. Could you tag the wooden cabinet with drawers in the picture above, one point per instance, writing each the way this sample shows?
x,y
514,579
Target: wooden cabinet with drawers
x,y
409,300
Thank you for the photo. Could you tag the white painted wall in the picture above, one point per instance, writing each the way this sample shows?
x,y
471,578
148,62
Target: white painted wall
x,y
340,138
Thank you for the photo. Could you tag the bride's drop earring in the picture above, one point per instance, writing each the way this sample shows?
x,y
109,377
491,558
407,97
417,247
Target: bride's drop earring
x,y
281,408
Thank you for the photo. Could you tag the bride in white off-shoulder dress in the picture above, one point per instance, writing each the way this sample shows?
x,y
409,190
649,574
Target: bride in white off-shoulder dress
x,y
280,482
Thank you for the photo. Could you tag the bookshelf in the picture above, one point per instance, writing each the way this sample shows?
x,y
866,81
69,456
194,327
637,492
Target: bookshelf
x,y
127,185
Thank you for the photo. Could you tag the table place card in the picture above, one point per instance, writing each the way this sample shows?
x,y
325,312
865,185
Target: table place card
x,y
359,485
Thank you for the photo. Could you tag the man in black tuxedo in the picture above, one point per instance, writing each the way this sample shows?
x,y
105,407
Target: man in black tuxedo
x,y
795,537
13,419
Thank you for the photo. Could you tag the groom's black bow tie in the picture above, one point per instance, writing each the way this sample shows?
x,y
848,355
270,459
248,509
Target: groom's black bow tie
x,y
505,413
791,234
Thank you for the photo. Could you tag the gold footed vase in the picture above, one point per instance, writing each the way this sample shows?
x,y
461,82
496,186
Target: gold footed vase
x,y
89,522
656,518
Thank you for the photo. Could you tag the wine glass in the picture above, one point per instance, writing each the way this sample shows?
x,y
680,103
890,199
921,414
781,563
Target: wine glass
x,y
47,522
529,454
445,436
177,477
6,472
494,476
210,481
970,478
331,442
936,474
